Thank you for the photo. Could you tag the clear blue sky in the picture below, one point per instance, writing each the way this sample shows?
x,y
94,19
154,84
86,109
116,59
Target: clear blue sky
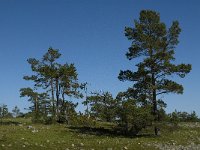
x,y
90,33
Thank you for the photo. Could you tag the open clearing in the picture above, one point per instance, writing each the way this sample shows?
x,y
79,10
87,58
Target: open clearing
x,y
21,134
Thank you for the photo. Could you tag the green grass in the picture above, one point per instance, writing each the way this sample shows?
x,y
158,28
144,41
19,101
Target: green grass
x,y
15,136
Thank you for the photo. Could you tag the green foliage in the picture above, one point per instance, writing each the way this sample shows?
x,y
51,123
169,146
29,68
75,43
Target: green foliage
x,y
38,100
4,111
57,80
84,87
83,121
132,116
67,113
16,111
132,111
179,116
103,106
155,44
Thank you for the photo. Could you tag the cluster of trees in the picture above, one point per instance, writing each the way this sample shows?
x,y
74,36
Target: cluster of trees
x,y
178,116
140,106
53,82
122,110
4,113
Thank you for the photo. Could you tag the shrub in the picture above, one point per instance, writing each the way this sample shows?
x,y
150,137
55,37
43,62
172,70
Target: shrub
x,y
83,121
134,118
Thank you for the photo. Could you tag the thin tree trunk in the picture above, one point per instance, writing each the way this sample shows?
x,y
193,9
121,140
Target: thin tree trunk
x,y
57,97
36,108
155,110
36,105
63,98
52,96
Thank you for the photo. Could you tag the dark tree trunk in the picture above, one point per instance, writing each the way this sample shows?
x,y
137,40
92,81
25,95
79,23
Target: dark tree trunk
x,y
52,96
155,110
57,97
36,108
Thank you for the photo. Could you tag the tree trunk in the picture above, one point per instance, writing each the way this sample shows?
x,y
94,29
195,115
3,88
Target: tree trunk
x,y
63,98
52,96
57,97
155,110
36,105
36,108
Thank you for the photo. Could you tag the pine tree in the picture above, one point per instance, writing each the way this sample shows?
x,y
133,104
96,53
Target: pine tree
x,y
155,45
16,111
35,98
103,106
55,79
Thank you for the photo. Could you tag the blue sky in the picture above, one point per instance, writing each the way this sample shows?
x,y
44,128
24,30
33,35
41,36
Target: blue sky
x,y
90,33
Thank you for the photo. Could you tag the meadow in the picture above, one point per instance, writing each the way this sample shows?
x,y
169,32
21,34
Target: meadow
x,y
19,134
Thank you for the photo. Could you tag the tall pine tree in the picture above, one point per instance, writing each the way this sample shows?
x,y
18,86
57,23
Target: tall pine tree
x,y
155,44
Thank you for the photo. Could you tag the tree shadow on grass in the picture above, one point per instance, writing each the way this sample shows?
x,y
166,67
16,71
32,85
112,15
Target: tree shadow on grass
x,y
9,122
100,131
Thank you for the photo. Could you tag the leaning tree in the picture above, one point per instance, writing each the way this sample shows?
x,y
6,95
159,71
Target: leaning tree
x,y
154,43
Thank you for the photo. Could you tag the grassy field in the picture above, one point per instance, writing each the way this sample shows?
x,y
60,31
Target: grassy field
x,y
21,134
